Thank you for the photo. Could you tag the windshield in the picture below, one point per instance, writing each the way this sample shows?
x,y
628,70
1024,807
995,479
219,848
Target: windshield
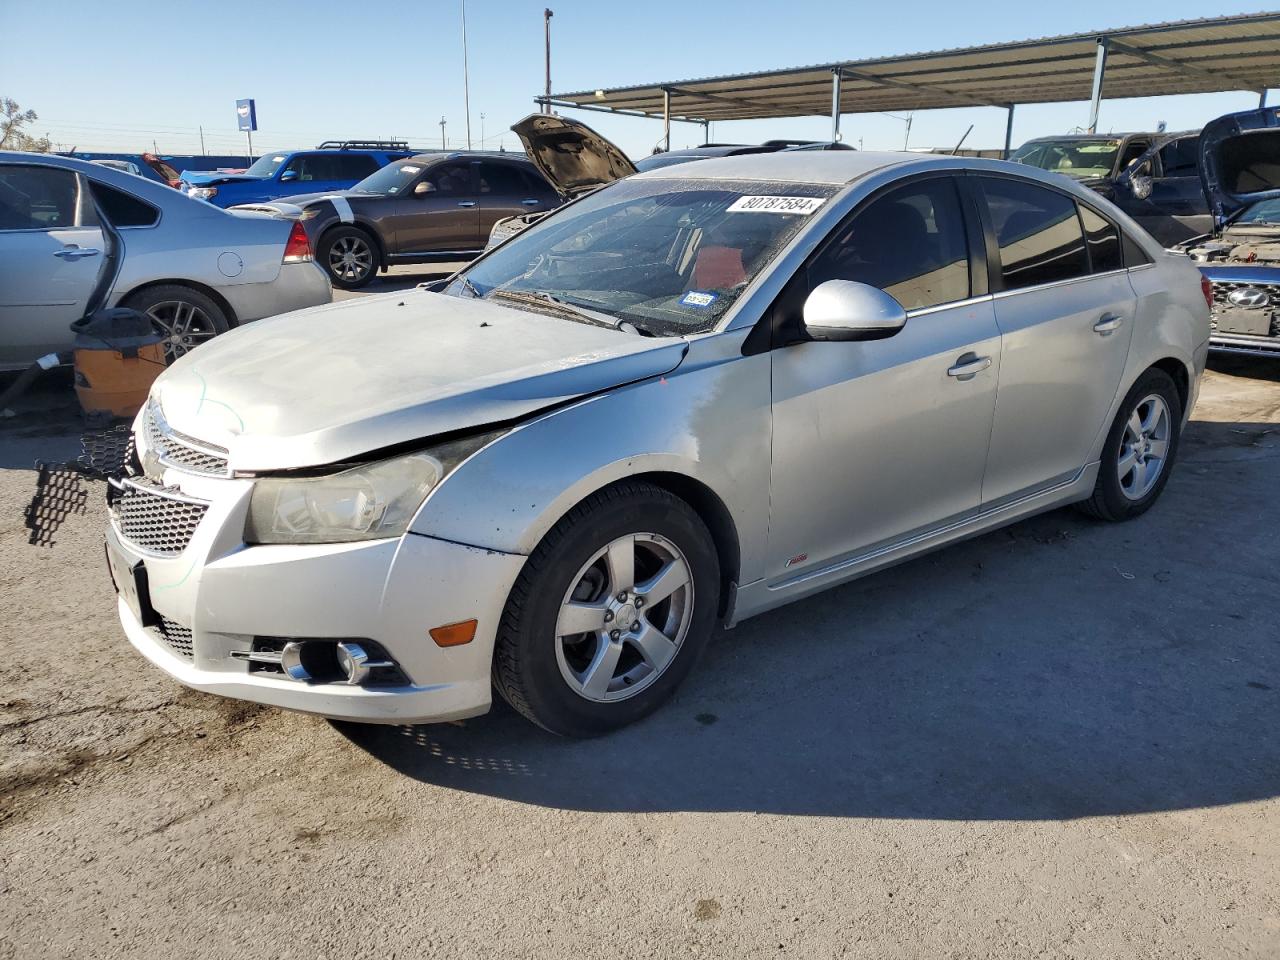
x,y
1075,158
391,179
668,257
266,165
1265,211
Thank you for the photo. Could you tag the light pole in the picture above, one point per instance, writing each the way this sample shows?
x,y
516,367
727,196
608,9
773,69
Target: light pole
x,y
907,119
466,90
444,144
481,129
546,27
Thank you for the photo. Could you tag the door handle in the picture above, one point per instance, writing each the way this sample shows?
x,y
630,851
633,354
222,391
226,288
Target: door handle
x,y
1107,324
968,366
466,203
76,253
531,203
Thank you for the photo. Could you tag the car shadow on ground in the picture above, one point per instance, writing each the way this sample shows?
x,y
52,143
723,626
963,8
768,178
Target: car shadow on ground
x,y
1058,668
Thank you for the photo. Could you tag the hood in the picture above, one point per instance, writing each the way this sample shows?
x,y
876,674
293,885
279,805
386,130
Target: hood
x,y
1240,160
570,154
333,383
211,178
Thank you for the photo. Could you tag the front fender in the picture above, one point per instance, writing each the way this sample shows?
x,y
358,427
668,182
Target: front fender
x,y
709,420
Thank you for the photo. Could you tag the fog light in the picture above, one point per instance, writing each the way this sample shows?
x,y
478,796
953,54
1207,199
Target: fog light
x,y
291,661
353,662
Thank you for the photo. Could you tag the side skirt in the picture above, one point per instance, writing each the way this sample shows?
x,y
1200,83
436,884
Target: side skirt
x,y
754,598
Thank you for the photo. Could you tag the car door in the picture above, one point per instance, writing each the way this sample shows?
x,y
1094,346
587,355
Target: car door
x,y
1176,208
1065,329
51,255
442,220
876,441
506,190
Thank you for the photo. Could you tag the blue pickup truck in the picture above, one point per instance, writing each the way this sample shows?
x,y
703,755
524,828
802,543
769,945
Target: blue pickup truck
x,y
334,165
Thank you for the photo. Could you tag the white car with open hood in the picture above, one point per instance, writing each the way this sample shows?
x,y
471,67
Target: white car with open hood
x,y
684,398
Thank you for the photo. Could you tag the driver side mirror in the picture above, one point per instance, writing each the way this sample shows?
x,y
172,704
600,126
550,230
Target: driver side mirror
x,y
1139,178
423,188
288,175
848,310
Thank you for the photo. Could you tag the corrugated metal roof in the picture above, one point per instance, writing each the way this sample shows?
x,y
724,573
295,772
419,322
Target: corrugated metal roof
x,y
1190,56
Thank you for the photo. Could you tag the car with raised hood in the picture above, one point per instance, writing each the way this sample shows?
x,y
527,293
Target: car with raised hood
x,y
76,236
690,396
431,208
334,165
570,156
1240,168
1153,177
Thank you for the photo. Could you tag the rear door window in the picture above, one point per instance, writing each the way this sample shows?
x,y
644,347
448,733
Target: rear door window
x,y
506,180
1181,158
1103,240
910,243
37,198
1037,231
353,166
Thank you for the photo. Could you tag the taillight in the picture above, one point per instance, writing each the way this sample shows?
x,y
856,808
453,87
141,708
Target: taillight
x,y
298,248
1207,289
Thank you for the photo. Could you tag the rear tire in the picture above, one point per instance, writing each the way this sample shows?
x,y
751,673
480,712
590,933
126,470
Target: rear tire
x,y
1139,451
640,568
184,316
349,256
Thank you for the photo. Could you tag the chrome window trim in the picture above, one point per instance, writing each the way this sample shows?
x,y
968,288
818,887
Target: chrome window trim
x,y
1002,294
951,305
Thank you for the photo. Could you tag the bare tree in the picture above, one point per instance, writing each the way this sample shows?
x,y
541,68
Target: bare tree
x,y
12,121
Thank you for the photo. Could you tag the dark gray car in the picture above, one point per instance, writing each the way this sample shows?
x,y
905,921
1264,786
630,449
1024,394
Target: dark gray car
x,y
429,208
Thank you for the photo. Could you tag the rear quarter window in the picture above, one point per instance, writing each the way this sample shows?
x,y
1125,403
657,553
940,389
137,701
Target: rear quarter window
x,y
1038,233
122,209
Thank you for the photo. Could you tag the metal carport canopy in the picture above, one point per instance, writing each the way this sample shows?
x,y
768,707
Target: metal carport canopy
x,y
1239,52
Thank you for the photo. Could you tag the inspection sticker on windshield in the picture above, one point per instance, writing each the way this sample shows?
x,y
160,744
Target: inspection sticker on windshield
x,y
698,298
409,169
801,205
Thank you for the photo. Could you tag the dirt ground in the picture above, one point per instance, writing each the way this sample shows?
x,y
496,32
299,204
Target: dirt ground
x,y
1056,740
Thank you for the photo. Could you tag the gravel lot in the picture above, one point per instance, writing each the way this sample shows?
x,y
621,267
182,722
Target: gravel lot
x,y
1058,739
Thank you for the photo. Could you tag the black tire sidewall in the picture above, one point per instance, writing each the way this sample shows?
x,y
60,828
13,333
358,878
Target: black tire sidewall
x,y
1115,502
551,701
326,245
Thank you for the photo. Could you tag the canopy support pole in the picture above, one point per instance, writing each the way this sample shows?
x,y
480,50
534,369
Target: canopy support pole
x,y
835,104
1099,73
1008,132
666,121
1262,99
706,132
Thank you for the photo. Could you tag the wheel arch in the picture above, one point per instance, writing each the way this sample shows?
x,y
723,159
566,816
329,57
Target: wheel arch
x,y
210,292
1181,376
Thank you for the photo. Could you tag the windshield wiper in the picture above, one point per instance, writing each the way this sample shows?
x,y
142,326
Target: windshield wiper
x,y
553,304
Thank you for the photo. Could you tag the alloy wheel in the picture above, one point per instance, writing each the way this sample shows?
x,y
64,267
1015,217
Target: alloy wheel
x,y
1144,447
350,258
623,618
183,325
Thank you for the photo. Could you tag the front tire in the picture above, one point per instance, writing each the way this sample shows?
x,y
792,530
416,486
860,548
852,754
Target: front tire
x,y
610,613
349,256
1140,450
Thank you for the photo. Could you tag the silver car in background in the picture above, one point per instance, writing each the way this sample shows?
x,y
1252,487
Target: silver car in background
x,y
77,235
691,396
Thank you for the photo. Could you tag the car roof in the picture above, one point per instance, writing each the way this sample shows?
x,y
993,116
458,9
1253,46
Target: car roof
x,y
835,167
153,191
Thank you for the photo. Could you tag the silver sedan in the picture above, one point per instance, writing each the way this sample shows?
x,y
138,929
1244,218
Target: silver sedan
x,y
75,236
691,396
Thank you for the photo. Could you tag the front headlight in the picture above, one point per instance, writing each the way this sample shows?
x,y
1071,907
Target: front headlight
x,y
367,502
203,193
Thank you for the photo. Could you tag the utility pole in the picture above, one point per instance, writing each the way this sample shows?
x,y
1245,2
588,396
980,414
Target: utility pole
x,y
466,90
482,129
444,144
546,27
202,151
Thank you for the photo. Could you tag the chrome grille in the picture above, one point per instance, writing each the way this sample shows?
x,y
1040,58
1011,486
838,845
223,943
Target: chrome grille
x,y
175,636
156,519
180,451
1222,290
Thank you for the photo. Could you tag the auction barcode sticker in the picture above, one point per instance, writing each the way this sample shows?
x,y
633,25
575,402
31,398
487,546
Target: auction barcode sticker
x,y
801,205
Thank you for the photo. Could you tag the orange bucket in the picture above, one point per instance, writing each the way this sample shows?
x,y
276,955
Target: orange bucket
x,y
118,355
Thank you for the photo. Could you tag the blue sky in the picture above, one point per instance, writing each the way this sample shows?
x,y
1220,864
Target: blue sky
x,y
128,73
